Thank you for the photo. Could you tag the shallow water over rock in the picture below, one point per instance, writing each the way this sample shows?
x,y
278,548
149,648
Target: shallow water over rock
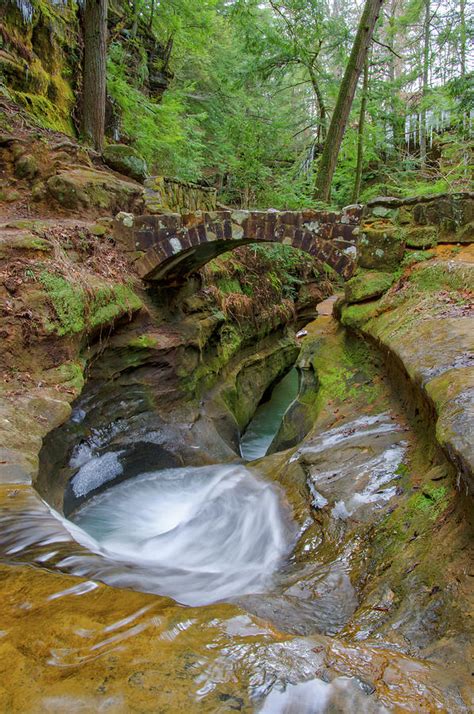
x,y
346,611
197,534
267,419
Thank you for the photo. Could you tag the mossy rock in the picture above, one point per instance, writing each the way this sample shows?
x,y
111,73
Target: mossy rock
x,y
98,230
77,310
434,212
126,160
466,210
421,236
9,195
22,240
381,246
39,191
357,315
26,167
67,192
385,212
405,215
88,188
47,113
27,224
465,234
367,284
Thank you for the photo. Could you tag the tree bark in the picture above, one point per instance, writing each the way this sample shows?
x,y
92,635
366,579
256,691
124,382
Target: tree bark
x,y
322,107
152,14
94,73
397,119
345,98
424,86
462,13
360,133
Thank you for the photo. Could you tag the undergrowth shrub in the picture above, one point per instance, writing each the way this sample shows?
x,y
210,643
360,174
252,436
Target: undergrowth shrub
x,y
262,282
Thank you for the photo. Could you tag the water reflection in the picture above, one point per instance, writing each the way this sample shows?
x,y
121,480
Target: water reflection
x,y
267,419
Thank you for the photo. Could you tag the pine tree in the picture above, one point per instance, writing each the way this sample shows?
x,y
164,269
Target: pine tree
x,y
94,72
345,97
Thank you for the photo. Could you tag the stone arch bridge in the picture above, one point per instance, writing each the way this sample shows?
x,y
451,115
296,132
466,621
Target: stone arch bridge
x,y
170,246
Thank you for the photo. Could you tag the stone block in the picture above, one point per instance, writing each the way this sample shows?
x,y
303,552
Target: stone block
x,y
405,215
421,236
367,284
126,160
465,234
380,247
385,212
123,230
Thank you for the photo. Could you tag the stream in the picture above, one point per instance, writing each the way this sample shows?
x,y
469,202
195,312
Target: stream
x,y
198,534
267,419
232,586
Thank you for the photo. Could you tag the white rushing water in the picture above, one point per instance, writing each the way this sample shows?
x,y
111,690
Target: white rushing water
x,y
201,534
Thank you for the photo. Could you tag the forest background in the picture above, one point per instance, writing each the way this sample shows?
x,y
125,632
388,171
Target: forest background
x,y
238,94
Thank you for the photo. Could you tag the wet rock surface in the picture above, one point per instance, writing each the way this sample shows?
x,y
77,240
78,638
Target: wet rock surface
x,y
425,322
368,606
368,613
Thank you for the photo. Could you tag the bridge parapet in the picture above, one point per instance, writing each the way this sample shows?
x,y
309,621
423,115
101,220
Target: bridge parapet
x,y
170,246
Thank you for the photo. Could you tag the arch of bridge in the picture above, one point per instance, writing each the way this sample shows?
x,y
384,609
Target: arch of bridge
x,y
172,246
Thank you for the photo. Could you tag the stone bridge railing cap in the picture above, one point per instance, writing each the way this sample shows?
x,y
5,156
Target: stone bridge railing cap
x,y
409,200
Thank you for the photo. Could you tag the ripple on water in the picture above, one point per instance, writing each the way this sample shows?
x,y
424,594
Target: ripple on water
x,y
318,697
198,535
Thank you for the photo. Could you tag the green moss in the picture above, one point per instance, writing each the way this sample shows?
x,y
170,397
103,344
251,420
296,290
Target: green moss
x,y
415,256
402,470
144,342
44,112
355,315
430,502
39,244
415,516
108,303
68,303
368,284
98,230
229,285
439,276
77,310
70,374
349,373
230,342
421,236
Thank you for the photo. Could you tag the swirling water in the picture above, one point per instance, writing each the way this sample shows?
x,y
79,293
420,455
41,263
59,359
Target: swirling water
x,y
203,533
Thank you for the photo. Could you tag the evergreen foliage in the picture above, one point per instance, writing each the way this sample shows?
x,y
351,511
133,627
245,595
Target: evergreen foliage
x,y
239,93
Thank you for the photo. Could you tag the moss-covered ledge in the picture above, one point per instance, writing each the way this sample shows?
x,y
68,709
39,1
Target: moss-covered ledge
x,y
62,289
425,322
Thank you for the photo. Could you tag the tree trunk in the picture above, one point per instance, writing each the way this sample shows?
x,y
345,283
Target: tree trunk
x,y
424,86
360,133
94,82
323,128
397,118
345,97
152,14
134,30
462,29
